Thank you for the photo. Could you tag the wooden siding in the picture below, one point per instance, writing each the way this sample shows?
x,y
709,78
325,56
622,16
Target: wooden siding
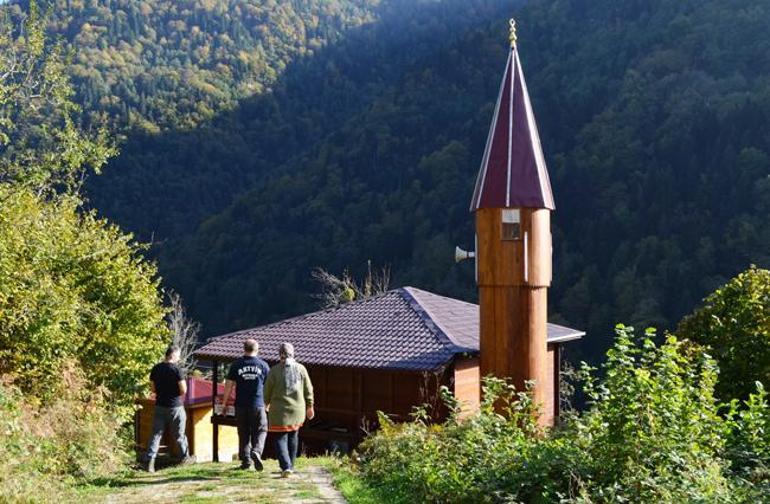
x,y
467,384
502,262
513,276
550,405
347,396
347,401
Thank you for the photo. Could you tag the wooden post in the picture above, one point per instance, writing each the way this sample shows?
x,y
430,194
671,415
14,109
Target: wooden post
x,y
513,277
557,381
214,422
137,435
360,397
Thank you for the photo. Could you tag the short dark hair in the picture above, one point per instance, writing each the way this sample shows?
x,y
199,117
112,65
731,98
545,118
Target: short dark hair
x,y
172,349
250,345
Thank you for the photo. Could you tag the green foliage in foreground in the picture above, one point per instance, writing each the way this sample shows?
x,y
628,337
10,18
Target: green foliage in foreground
x,y
72,438
735,324
652,432
74,287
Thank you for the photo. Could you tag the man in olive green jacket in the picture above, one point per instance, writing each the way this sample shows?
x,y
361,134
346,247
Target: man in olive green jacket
x,y
289,398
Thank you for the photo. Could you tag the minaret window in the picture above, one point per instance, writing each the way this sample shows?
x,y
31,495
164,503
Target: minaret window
x,y
511,224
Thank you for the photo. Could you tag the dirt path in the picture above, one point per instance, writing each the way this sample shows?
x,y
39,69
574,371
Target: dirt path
x,y
209,483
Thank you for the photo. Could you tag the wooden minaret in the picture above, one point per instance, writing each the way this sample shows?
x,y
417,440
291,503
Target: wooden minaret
x,y
513,203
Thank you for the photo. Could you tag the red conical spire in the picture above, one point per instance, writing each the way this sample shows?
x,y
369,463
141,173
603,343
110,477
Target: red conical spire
x,y
513,171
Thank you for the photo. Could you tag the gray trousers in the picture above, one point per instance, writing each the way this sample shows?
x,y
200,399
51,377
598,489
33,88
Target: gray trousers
x,y
177,419
252,431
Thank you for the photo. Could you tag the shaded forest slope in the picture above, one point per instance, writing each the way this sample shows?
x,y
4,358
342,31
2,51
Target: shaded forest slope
x,y
654,117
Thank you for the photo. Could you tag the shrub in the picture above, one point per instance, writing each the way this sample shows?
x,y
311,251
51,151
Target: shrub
x,y
73,437
469,460
734,323
749,443
18,476
652,432
74,287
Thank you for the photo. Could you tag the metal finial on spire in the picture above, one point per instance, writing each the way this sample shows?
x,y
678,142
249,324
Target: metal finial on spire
x,y
512,34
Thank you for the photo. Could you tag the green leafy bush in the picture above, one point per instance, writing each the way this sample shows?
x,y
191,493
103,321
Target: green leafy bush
x,y
652,432
749,443
74,287
734,323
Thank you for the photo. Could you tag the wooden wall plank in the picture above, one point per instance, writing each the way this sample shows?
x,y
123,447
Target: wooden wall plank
x,y
467,384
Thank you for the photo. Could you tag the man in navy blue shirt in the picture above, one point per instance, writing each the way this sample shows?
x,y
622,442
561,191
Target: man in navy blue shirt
x,y
248,373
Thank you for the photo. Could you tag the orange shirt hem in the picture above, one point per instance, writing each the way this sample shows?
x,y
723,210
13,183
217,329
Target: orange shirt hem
x,y
284,428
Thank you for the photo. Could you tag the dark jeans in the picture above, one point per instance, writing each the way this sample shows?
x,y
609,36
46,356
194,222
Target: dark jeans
x,y
252,431
286,447
177,419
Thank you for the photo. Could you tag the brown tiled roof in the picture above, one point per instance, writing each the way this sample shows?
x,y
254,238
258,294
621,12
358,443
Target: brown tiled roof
x,y
404,329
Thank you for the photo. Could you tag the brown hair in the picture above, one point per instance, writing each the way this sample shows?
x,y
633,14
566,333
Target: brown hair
x,y
171,350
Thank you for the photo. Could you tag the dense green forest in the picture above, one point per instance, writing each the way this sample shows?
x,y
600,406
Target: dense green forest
x,y
167,64
347,131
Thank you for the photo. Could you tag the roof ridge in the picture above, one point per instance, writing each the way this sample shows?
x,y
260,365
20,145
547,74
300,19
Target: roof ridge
x,y
454,300
427,318
304,316
405,328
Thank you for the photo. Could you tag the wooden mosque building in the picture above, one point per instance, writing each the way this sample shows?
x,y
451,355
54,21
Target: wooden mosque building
x,y
387,353
392,352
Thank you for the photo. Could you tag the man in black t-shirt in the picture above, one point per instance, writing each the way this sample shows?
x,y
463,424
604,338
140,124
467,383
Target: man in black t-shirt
x,y
248,373
169,386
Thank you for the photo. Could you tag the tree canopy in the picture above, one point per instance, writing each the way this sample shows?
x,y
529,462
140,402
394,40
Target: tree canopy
x,y
73,288
655,135
42,145
169,64
734,322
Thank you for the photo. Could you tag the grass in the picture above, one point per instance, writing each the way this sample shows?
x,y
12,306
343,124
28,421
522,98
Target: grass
x,y
347,480
207,483
224,482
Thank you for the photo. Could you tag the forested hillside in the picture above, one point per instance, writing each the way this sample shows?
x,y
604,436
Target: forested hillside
x,y
171,64
653,115
342,56
656,133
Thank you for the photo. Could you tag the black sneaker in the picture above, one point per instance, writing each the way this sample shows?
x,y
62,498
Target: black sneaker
x,y
244,465
257,462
